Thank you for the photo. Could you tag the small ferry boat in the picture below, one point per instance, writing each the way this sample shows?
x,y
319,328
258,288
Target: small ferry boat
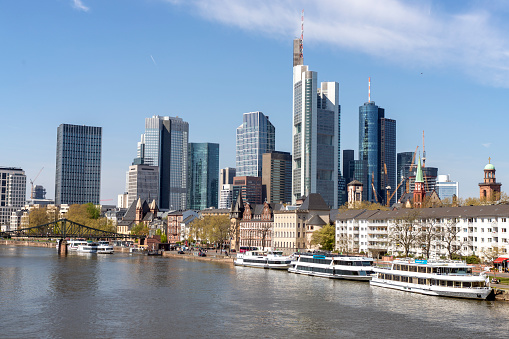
x,y
271,260
104,247
88,247
446,279
72,245
333,266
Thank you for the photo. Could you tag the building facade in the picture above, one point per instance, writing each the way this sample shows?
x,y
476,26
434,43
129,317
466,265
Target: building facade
x,y
12,192
226,176
405,166
165,145
226,196
255,136
143,183
78,164
447,189
316,135
203,172
489,190
277,177
249,188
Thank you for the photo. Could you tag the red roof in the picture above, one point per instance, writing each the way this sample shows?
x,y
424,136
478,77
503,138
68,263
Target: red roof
x,y
500,260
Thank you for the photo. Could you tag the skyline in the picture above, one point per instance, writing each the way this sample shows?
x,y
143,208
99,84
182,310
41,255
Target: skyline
x,y
111,65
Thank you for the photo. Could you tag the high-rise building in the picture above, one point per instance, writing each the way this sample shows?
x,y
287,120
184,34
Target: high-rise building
x,y
13,184
143,183
348,155
316,140
377,147
78,164
226,196
39,192
226,176
405,162
249,188
430,175
255,136
203,172
447,189
165,145
277,177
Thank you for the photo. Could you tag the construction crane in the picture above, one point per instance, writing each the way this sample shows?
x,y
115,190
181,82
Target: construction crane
x,y
392,195
423,151
387,188
373,186
32,184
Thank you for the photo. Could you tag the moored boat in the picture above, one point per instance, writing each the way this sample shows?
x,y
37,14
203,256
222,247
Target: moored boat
x,y
72,245
260,259
440,278
104,247
333,266
88,247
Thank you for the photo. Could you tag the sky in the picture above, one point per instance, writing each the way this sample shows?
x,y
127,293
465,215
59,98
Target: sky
x,y
441,67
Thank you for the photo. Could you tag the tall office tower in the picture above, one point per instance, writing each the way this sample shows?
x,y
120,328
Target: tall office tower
x,y
203,172
226,176
388,159
447,189
226,196
377,147
430,175
165,145
78,164
143,183
277,177
13,185
39,192
250,188
405,161
316,141
348,155
255,136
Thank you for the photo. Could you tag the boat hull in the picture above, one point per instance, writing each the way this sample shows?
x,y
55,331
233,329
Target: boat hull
x,y
468,293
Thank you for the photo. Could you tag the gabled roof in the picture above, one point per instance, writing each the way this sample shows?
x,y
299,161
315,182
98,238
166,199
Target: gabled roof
x,y
314,202
315,220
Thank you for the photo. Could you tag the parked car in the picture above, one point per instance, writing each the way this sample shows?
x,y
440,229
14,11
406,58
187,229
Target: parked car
x,y
202,254
181,252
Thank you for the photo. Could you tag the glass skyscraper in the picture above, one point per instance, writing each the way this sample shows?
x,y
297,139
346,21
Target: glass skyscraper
x,y
316,139
255,136
165,144
78,164
203,172
377,147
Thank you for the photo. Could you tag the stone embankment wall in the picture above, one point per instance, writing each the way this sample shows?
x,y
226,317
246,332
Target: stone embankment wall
x,y
501,294
28,243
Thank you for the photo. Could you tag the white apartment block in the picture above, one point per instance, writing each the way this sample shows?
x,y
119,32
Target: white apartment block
x,y
12,192
226,196
468,230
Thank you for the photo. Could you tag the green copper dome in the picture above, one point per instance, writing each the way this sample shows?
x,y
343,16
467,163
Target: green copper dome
x,y
489,167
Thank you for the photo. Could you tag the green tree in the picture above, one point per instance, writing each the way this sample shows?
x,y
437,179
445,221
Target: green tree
x,y
164,238
212,229
38,217
140,229
89,215
324,237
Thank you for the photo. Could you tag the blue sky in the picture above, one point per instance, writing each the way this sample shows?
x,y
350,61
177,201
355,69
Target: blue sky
x,y
437,66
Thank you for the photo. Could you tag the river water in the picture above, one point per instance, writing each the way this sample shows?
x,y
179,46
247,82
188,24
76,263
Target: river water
x,y
43,295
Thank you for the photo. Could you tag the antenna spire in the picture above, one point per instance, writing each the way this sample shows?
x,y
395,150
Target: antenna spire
x,y
369,89
302,35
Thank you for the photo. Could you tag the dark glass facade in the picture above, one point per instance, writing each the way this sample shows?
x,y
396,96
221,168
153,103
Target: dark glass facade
x,y
404,161
388,158
78,164
277,177
203,172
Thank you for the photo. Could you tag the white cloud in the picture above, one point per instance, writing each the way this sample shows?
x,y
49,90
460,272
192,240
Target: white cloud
x,y
77,4
415,34
487,145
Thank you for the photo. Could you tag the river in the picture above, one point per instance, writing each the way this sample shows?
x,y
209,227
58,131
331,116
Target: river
x,y
43,295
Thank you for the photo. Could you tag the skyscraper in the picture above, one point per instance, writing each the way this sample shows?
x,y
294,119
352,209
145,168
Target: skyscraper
x,y
143,183
203,172
226,176
13,184
277,177
78,164
405,162
255,136
377,147
165,144
316,140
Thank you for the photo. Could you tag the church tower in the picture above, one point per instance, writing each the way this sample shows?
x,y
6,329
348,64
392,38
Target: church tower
x,y
489,190
419,190
236,214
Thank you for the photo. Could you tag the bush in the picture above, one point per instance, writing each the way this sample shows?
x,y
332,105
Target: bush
x,y
473,259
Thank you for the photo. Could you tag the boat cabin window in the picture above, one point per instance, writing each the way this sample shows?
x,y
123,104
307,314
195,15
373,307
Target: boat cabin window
x,y
412,268
422,269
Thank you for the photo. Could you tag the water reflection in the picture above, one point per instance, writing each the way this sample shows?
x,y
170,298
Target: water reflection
x,y
126,296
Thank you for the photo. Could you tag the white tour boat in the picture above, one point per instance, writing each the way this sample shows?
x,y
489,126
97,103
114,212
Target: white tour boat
x,y
72,245
260,259
88,247
446,279
333,266
104,247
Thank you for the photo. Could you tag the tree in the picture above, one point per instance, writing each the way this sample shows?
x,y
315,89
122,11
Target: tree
x,y
164,238
428,236
324,237
38,217
490,254
450,237
140,229
213,229
89,215
342,243
264,231
406,231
